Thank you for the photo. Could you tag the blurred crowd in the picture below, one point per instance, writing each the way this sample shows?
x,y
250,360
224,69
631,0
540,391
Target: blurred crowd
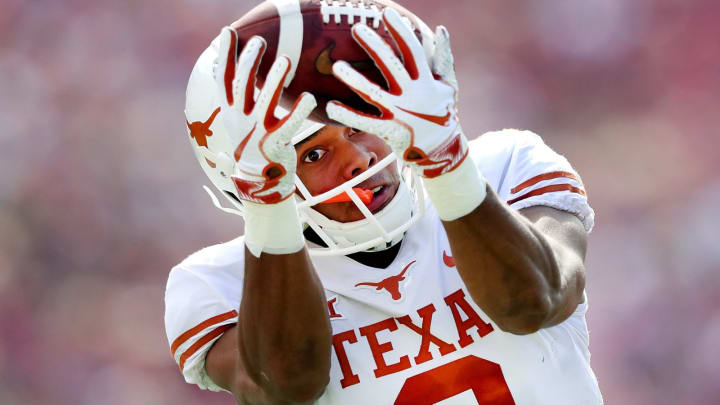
x,y
100,193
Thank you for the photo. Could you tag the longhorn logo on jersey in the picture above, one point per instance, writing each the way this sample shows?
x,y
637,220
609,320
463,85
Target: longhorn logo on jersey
x,y
390,284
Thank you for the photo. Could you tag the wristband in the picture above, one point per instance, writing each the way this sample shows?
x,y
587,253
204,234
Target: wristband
x,y
273,228
458,192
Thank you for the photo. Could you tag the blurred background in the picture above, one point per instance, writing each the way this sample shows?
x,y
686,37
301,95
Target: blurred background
x,y
100,193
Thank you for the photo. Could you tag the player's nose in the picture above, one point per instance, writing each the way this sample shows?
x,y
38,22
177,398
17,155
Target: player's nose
x,y
358,158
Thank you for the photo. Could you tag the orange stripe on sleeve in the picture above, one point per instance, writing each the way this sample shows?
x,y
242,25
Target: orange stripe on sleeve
x,y
542,177
202,341
548,189
199,327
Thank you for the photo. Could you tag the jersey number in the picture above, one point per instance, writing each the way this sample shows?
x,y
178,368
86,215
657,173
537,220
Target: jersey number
x,y
483,377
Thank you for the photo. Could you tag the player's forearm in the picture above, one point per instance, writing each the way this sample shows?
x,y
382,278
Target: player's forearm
x,y
285,331
520,277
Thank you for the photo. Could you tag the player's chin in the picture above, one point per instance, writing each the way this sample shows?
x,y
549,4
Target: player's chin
x,y
341,212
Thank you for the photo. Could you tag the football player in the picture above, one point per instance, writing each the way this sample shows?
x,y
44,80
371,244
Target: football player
x,y
387,261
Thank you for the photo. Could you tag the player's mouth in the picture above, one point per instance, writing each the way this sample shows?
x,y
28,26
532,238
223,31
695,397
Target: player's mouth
x,y
374,197
382,195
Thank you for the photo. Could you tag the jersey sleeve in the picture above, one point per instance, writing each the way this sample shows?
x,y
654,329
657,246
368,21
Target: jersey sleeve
x,y
196,315
526,172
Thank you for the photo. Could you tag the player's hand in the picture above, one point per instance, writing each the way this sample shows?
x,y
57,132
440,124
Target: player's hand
x,y
419,112
266,159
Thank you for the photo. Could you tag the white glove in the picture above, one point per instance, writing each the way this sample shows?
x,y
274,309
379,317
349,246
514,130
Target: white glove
x,y
419,116
443,62
418,113
266,160
266,157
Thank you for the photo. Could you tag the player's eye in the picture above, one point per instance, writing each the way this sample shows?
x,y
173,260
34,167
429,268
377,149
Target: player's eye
x,y
314,155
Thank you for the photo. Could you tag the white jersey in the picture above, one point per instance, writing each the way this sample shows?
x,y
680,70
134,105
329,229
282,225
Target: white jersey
x,y
410,333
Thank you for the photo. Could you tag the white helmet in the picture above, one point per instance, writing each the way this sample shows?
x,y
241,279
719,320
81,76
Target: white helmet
x,y
215,153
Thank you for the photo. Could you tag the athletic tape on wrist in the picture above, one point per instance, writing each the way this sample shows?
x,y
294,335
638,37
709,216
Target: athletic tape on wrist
x,y
273,228
457,193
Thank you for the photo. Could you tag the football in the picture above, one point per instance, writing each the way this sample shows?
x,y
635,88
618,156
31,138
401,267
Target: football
x,y
316,33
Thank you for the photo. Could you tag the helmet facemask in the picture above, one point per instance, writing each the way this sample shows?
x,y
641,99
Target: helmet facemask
x,y
376,231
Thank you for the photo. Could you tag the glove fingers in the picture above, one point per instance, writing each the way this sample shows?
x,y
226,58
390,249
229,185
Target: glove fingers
x,y
443,60
271,91
356,119
380,52
247,67
298,114
225,72
369,91
411,49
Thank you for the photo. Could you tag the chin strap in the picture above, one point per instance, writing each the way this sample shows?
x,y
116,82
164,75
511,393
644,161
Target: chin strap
x,y
219,206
